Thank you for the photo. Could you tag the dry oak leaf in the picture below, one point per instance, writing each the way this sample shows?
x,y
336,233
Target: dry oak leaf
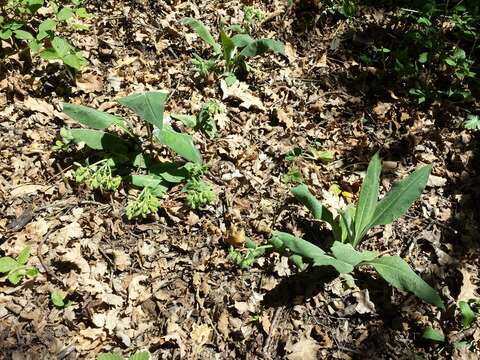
x,y
136,290
89,82
26,189
468,291
240,91
37,105
304,349
364,305
201,334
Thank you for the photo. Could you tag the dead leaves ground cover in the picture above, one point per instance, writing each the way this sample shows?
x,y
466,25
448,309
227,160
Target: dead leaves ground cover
x,y
165,284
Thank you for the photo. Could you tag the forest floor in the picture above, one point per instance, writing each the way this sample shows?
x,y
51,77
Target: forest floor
x,y
165,284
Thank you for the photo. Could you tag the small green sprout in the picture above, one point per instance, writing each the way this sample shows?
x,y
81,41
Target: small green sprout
x,y
247,258
58,299
146,203
139,355
294,175
17,268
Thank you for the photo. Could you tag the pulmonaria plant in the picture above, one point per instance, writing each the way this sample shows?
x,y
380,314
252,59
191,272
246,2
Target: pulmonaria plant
x,y
229,57
17,269
351,225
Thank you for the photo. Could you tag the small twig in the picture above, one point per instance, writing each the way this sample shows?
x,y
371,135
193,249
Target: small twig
x,y
40,258
268,341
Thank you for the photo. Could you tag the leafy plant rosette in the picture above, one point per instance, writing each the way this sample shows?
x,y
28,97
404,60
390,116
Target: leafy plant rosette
x,y
350,227
230,54
123,158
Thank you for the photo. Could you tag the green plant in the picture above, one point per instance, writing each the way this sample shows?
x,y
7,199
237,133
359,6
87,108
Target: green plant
x,y
231,53
124,156
205,120
139,355
17,268
246,258
472,122
294,175
58,299
251,16
22,24
351,225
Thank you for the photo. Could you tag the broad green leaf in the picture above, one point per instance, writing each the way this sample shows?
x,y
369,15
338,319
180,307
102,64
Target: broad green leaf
x,y
49,54
242,40
91,117
346,224
23,35
400,197
75,61
140,355
228,46
45,27
367,200
156,184
346,253
34,46
7,264
326,260
187,120
398,273
433,334
16,275
171,172
318,211
24,255
65,14
281,241
148,105
57,298
5,34
31,272
202,31
468,316
109,356
100,140
182,144
261,46
61,46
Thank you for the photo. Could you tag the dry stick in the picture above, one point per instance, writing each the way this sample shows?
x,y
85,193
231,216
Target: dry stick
x,y
268,341
40,257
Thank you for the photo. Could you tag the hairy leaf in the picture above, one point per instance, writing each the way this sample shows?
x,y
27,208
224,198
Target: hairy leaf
x,y
228,46
7,264
261,46
99,140
367,200
398,273
318,211
346,253
109,356
148,105
433,334
242,40
24,255
182,144
400,197
202,31
156,184
171,172
140,355
91,117
187,120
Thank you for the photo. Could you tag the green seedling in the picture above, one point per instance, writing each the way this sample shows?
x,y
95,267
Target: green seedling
x,y
251,16
205,120
112,138
139,355
294,175
247,257
231,53
351,225
17,269
58,299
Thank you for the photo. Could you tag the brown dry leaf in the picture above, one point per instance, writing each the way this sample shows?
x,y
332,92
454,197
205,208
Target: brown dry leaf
x,y
88,82
468,291
284,118
364,305
41,106
201,334
240,91
304,349
69,232
382,108
27,189
136,290
222,324
436,181
236,236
